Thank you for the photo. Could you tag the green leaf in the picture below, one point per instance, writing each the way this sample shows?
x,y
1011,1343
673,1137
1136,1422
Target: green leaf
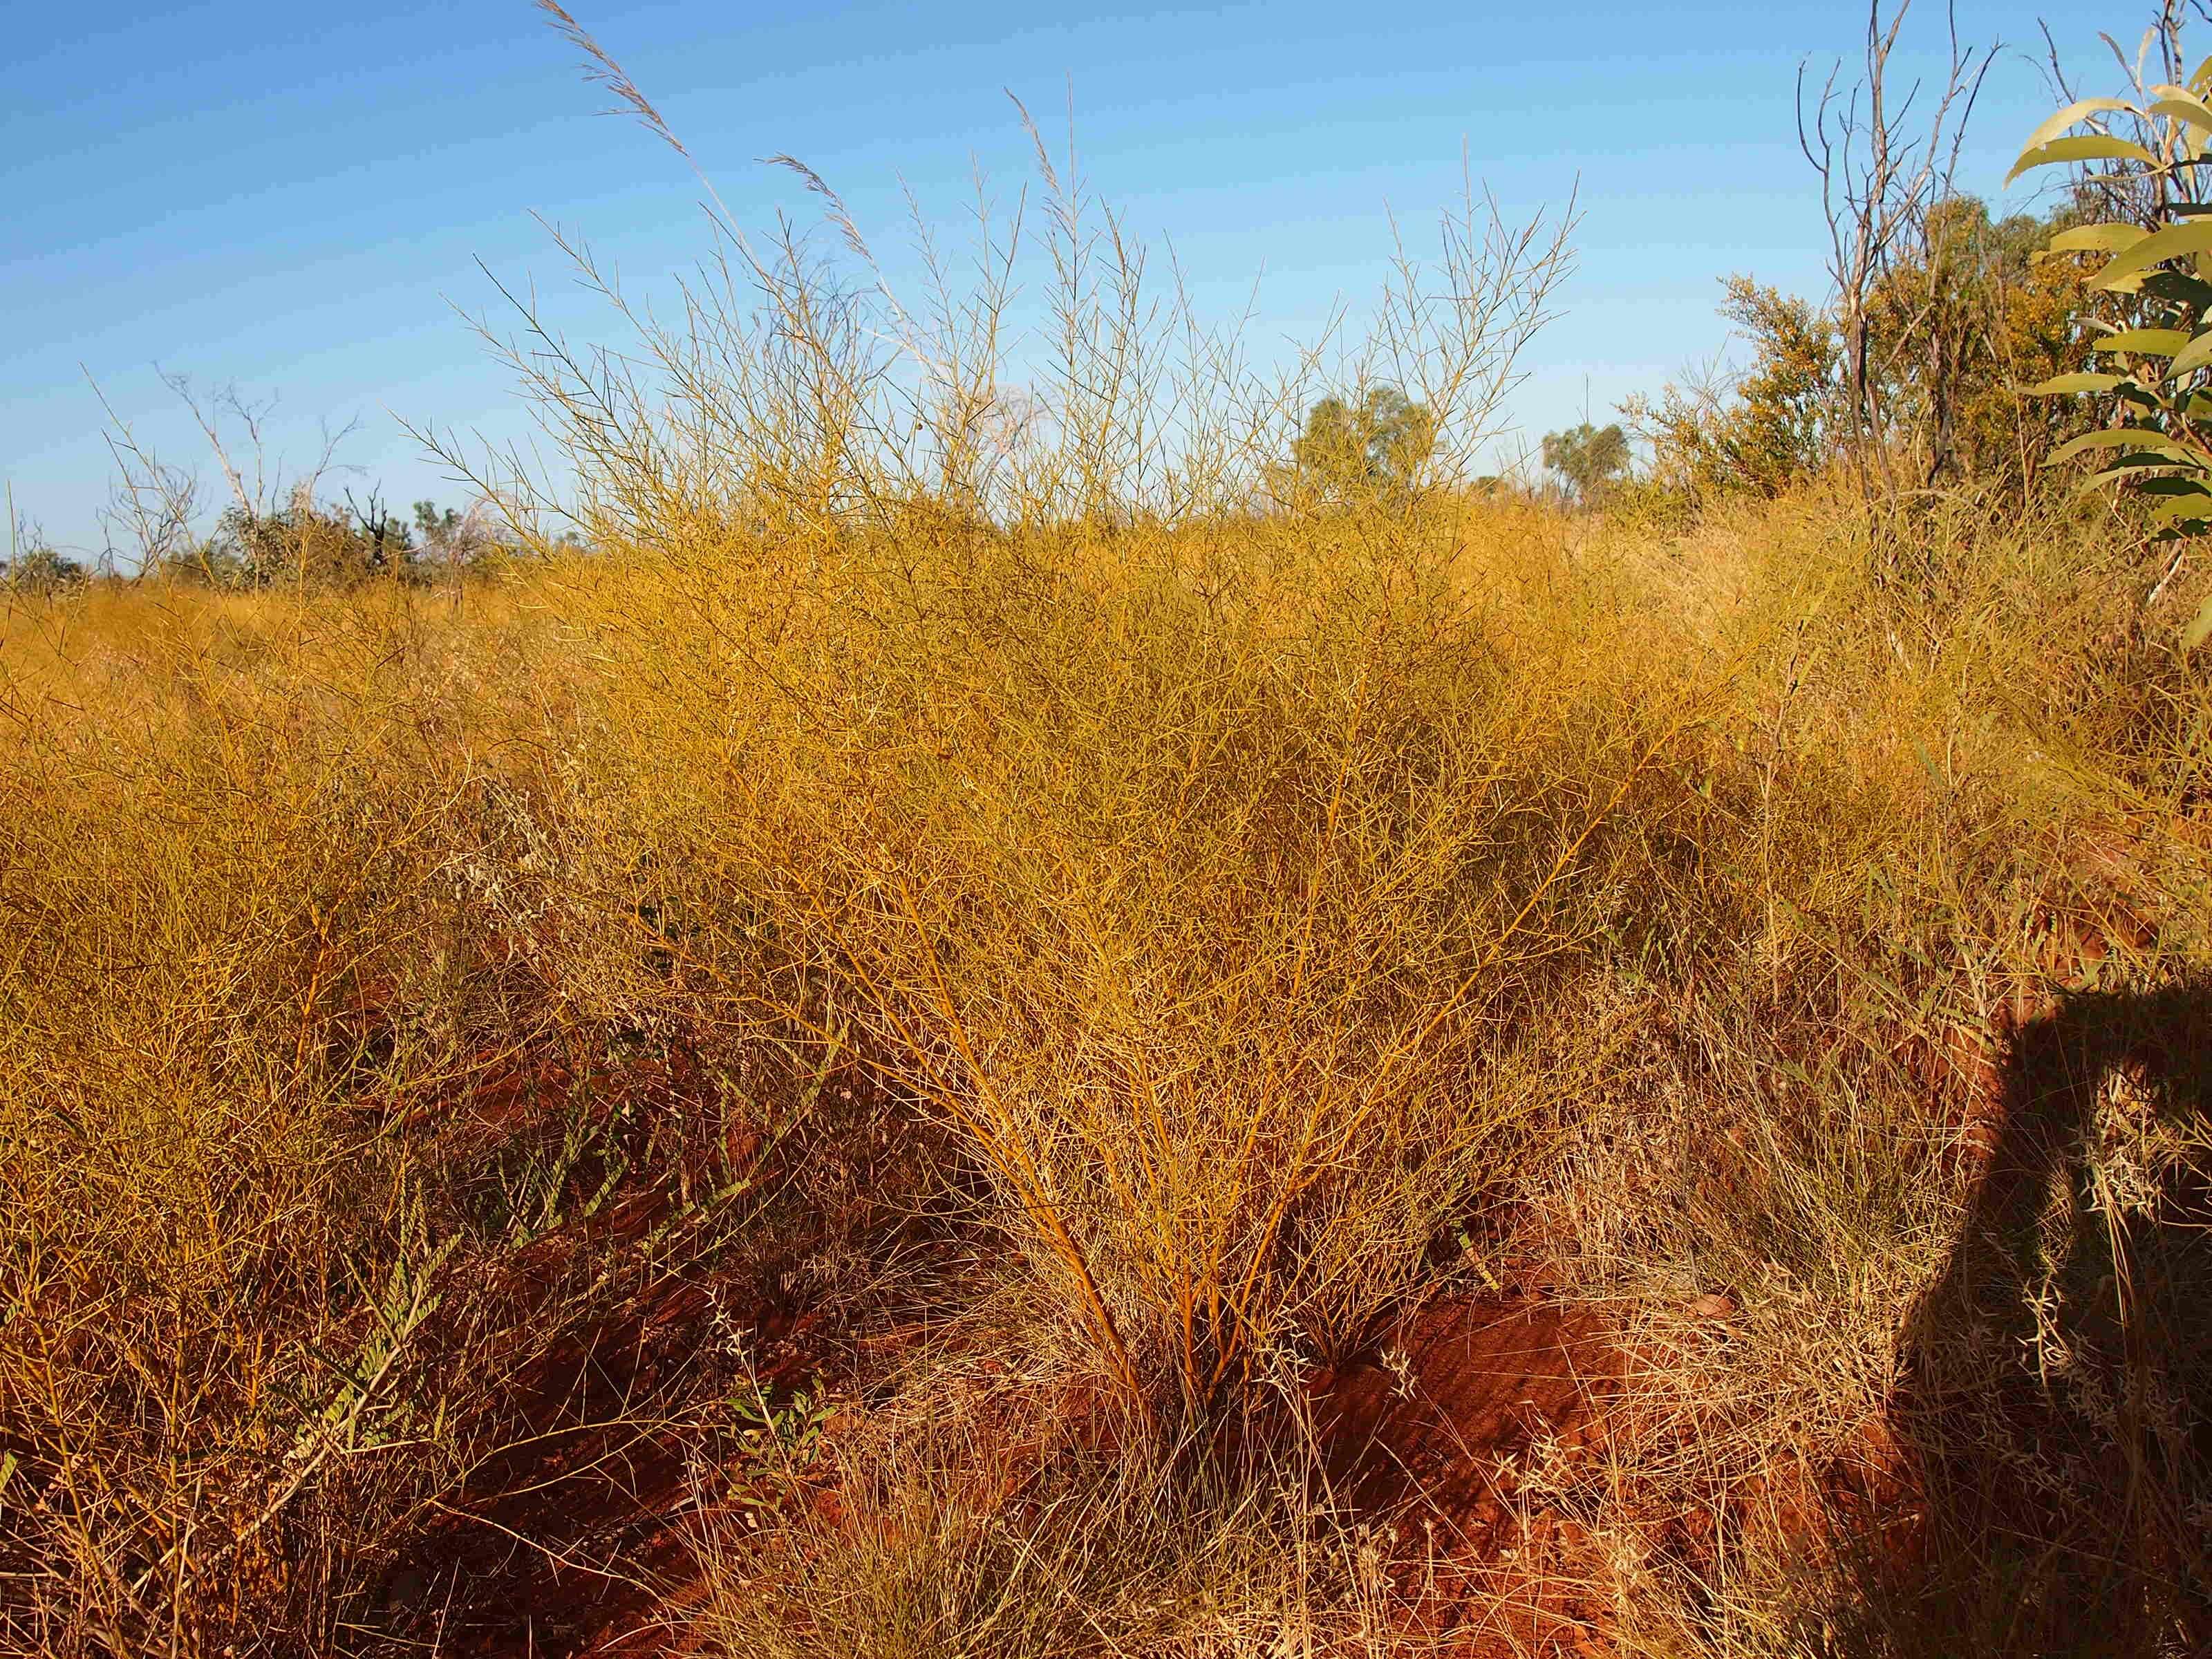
x,y
2130,471
2179,509
2180,106
2171,483
2073,113
2194,634
2110,238
2190,357
2089,146
2123,437
2060,384
2144,341
2171,243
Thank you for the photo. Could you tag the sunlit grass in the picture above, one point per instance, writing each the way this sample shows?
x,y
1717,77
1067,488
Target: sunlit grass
x,y
1270,899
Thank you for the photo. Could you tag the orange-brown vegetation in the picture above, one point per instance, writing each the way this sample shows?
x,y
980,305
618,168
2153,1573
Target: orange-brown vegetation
x,y
1116,1022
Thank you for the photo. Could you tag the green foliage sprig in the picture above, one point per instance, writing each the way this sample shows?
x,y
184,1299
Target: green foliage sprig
x,y
2159,265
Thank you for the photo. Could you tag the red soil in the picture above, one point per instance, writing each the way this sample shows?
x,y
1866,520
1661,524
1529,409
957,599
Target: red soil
x,y
1445,1412
1448,1432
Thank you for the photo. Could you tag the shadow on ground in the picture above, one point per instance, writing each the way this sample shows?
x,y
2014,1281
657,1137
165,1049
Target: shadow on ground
x,y
2057,1405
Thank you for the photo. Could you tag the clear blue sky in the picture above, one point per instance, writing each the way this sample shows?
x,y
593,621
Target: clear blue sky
x,y
294,197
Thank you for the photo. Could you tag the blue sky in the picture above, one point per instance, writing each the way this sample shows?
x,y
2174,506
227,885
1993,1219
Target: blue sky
x,y
296,198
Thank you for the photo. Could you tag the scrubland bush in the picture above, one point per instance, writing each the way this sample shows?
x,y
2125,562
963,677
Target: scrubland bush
x,y
1267,916
1145,898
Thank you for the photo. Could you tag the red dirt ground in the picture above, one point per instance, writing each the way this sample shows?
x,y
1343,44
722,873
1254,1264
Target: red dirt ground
x,y
1439,1444
1444,1431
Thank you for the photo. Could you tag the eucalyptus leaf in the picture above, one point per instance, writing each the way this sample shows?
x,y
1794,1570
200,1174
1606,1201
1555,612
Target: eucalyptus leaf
x,y
2074,113
2171,243
2177,289
2181,509
2190,357
2194,634
2144,341
2143,439
2112,237
2089,146
2182,107
2131,470
2061,385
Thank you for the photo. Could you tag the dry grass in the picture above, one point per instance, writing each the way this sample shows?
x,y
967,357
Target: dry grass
x,y
1258,909
1035,863
979,1533
1188,898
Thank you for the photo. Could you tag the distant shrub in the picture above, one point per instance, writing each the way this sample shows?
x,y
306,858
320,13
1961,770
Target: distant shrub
x,y
42,570
320,545
1590,461
1774,425
1351,453
1952,338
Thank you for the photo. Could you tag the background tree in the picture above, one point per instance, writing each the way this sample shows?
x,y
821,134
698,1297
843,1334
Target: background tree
x,y
1882,180
306,542
1347,453
1957,330
39,568
1773,424
1590,459
1950,338
434,525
